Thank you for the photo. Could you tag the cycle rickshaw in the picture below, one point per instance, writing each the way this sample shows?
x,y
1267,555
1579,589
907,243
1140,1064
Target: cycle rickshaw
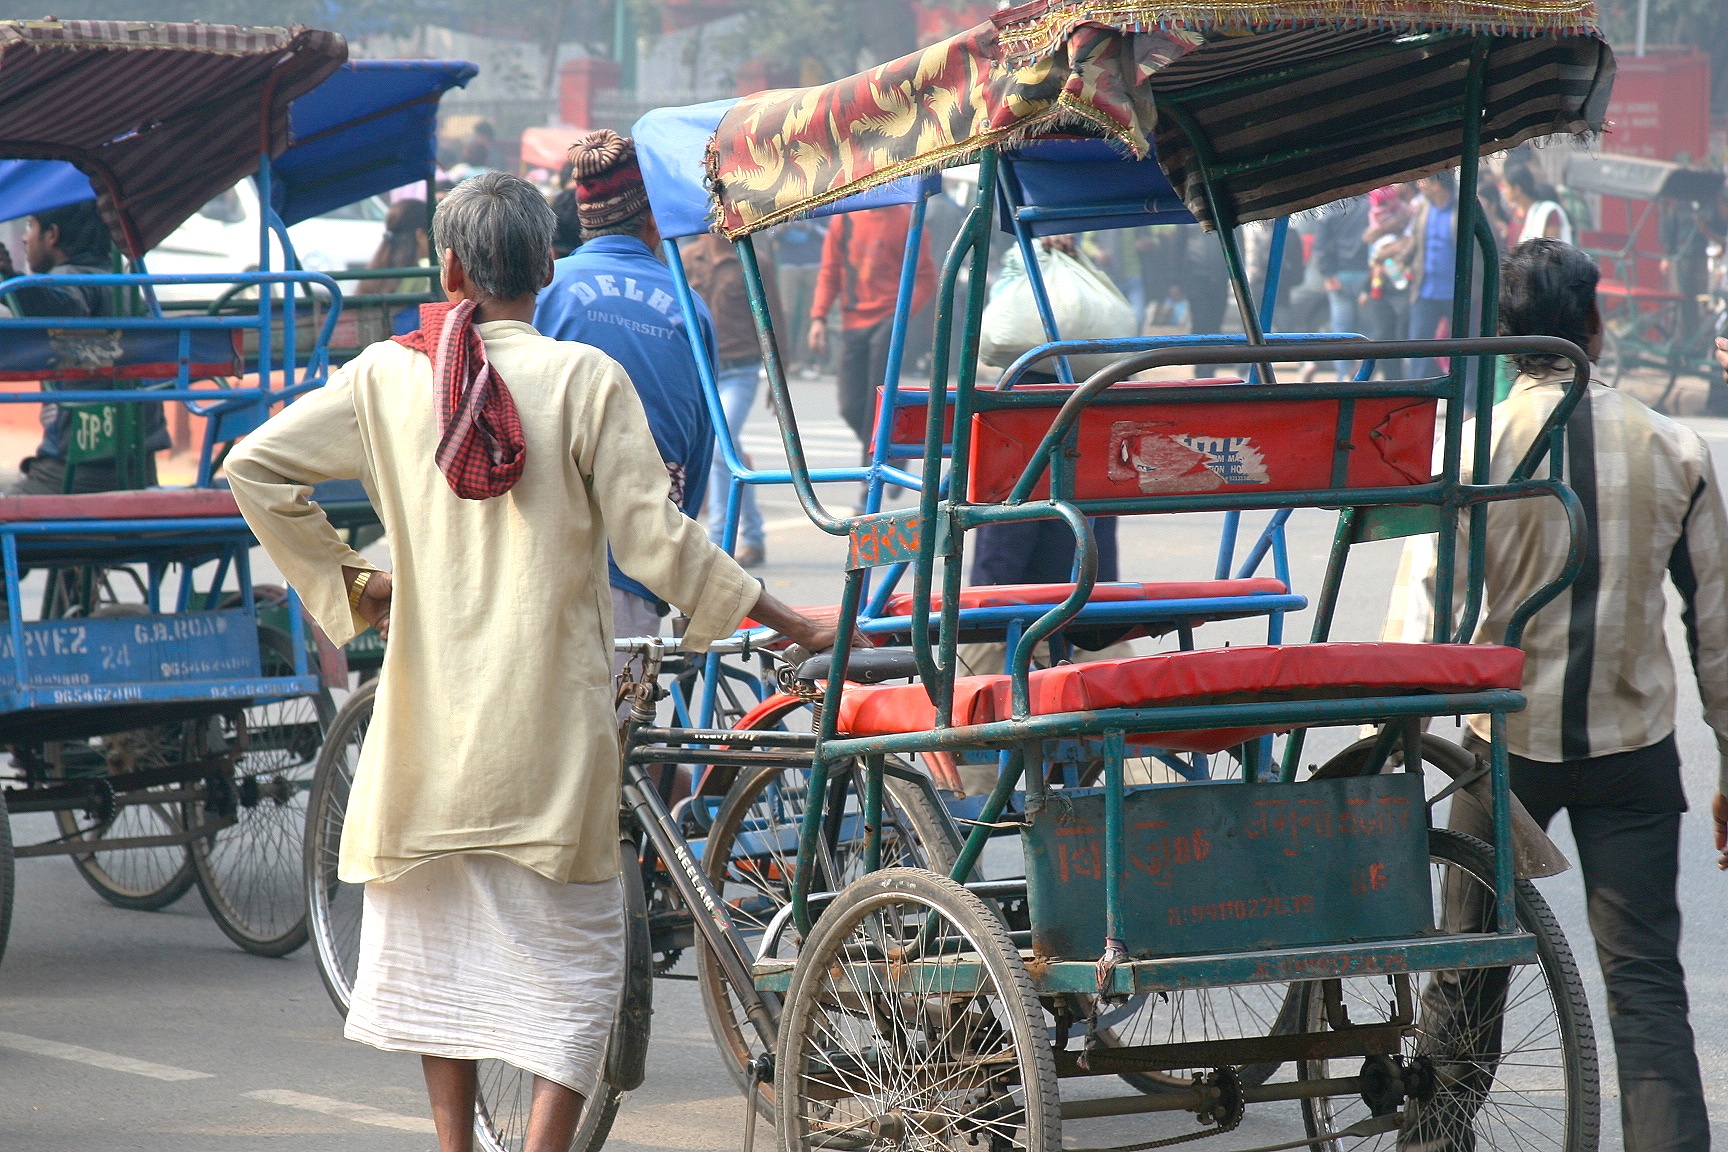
x,y
905,1008
721,828
165,710
1415,993
1655,327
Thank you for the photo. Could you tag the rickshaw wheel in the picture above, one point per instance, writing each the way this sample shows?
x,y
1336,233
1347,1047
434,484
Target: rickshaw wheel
x,y
1237,1012
7,865
138,879
767,804
506,1093
879,1049
1550,1097
332,907
251,874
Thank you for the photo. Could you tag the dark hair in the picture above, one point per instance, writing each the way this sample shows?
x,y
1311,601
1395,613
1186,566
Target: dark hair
x,y
1446,178
84,238
1547,288
1523,178
568,235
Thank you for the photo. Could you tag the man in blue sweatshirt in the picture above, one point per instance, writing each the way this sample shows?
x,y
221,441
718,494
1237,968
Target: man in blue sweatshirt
x,y
614,294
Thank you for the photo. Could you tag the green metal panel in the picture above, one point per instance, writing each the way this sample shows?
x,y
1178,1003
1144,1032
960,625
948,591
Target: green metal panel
x,y
1395,521
1228,867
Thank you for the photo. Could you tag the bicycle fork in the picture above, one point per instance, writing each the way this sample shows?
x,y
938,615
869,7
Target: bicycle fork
x,y
713,919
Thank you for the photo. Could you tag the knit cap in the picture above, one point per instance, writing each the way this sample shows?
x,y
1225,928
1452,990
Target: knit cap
x,y
609,187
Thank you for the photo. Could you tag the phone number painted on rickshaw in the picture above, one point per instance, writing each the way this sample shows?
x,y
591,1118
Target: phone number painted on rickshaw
x,y
1218,867
93,660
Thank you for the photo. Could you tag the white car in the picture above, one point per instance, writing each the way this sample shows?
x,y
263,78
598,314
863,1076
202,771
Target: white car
x,y
222,236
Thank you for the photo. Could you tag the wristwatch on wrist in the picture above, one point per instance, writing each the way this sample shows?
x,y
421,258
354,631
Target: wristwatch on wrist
x,y
357,588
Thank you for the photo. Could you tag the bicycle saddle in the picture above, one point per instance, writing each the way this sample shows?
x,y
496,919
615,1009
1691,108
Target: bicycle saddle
x,y
866,666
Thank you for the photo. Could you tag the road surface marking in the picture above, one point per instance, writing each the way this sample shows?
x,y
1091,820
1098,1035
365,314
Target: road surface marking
x,y
359,1113
72,1052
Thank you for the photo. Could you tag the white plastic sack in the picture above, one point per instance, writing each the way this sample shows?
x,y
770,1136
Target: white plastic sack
x,y
1085,303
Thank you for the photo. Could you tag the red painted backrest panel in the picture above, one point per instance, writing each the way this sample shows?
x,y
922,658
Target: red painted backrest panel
x,y
912,416
1173,449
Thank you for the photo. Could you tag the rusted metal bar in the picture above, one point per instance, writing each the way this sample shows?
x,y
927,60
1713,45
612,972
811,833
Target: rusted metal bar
x,y
1367,1040
1189,1099
81,847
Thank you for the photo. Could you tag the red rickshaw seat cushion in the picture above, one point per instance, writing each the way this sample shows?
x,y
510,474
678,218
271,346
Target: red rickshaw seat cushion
x,y
135,504
1210,676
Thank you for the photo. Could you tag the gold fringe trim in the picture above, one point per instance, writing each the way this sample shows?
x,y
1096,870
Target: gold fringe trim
x,y
1037,36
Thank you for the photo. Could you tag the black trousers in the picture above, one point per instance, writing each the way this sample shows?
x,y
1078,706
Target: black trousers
x,y
1625,814
1038,552
863,364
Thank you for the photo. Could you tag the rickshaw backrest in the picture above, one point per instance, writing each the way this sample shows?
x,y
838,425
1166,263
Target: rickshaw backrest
x,y
1134,443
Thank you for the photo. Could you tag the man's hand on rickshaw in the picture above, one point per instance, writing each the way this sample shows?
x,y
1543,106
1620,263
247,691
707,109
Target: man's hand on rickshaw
x,y
374,602
1719,817
808,633
1722,354
817,338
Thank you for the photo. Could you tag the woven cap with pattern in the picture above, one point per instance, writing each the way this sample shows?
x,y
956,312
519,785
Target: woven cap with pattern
x,y
609,187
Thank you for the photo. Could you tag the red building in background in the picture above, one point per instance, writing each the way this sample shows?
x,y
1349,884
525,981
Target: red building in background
x,y
1660,110
1661,106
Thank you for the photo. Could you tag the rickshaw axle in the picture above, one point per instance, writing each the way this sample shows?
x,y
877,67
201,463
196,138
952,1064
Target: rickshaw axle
x,y
1365,1040
1202,1099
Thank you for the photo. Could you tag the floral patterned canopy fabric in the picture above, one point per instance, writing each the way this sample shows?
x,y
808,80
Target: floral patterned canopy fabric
x,y
1368,93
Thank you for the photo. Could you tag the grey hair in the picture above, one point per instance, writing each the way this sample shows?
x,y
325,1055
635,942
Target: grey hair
x,y
501,229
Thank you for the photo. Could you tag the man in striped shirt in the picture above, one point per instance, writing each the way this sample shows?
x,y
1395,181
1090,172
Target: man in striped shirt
x,y
1598,736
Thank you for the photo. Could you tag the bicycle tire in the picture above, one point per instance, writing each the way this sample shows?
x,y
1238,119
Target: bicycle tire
x,y
8,867
136,879
332,907
733,1034
250,875
1574,1033
905,905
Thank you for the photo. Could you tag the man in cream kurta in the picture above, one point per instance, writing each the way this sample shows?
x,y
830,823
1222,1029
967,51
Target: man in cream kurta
x,y
494,736
494,727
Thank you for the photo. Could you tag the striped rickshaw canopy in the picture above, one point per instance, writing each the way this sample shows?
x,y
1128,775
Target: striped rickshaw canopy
x,y
160,117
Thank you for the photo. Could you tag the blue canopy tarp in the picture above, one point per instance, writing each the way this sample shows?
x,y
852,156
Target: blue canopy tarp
x,y
29,186
1074,185
367,129
671,144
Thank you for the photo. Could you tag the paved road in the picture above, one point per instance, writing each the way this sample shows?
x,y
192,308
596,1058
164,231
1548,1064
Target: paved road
x,y
150,1032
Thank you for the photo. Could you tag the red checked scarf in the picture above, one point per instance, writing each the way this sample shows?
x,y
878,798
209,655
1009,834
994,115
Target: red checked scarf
x,y
480,445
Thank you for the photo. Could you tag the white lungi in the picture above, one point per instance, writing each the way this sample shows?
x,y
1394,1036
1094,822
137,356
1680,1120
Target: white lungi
x,y
474,957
